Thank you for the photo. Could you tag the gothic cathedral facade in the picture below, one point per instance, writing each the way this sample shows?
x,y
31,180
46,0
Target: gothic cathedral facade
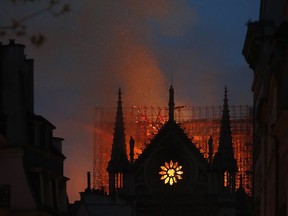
x,y
171,176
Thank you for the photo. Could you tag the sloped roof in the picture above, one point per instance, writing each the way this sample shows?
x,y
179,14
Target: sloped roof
x,y
168,128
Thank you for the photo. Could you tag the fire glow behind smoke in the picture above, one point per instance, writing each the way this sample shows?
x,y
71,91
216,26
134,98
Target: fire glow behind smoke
x,y
136,45
126,45
124,54
199,123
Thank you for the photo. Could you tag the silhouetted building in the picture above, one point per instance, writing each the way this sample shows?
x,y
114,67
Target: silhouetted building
x,y
199,123
31,159
98,203
266,52
171,176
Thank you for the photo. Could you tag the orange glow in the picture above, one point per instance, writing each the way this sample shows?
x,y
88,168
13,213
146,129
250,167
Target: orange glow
x,y
125,57
144,122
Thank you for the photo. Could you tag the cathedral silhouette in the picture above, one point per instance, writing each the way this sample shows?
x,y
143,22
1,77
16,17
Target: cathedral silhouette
x,y
171,176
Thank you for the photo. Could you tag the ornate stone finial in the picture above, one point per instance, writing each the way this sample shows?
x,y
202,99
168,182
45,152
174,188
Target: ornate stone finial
x,y
225,96
171,104
119,95
131,143
210,144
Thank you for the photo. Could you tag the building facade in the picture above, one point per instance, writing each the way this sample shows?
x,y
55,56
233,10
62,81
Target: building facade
x,y
31,159
171,176
199,123
266,51
97,202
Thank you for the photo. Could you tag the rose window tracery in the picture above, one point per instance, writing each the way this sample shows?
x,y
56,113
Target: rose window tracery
x,y
171,172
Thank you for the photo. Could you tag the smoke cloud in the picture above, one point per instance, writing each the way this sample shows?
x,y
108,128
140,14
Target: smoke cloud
x,y
113,44
135,45
125,51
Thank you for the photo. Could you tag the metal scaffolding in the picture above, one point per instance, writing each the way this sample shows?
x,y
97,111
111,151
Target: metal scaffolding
x,y
199,123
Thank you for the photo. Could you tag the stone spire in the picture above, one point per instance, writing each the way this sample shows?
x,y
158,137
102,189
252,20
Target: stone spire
x,y
225,148
224,159
119,157
118,164
171,104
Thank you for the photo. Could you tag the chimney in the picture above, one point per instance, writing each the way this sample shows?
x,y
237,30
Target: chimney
x,y
11,42
88,182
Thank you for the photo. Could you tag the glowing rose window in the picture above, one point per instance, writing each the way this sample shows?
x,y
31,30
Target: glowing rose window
x,y
171,172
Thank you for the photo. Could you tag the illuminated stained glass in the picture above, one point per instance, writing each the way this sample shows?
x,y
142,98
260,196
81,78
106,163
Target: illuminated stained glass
x,y
171,172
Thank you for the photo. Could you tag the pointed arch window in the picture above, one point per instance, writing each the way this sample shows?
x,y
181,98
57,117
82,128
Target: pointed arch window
x,y
118,180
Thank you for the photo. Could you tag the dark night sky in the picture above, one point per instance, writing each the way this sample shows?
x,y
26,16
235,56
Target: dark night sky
x,y
136,45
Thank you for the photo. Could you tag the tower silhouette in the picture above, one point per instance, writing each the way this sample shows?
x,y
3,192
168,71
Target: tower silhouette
x,y
224,160
118,163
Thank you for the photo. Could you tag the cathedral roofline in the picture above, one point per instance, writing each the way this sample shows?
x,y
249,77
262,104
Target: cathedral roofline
x,y
168,128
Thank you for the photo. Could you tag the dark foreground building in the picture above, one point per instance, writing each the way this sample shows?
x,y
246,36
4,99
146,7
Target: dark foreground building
x,y
266,52
31,159
171,176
